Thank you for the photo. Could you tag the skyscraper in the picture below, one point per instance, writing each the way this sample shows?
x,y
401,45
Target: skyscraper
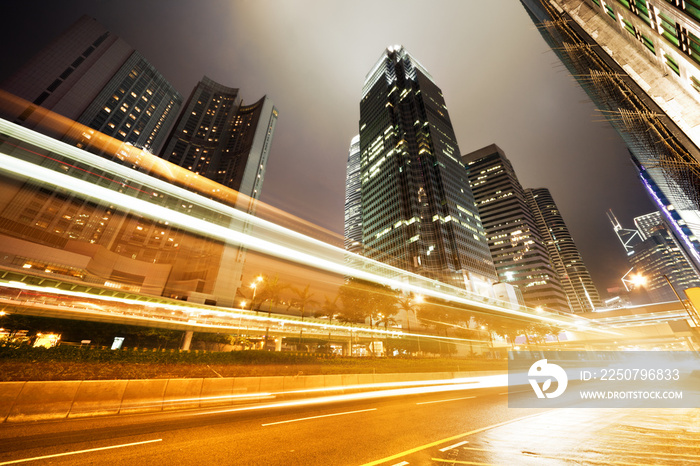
x,y
95,78
418,212
654,255
109,100
218,137
353,199
639,61
518,252
566,259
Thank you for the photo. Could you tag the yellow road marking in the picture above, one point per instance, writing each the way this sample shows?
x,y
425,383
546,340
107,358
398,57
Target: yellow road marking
x,y
448,439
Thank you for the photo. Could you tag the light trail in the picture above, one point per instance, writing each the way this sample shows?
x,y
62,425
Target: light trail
x,y
229,313
454,385
317,258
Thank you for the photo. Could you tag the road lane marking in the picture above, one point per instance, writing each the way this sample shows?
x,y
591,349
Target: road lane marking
x,y
317,417
454,446
442,401
80,451
448,439
440,460
403,463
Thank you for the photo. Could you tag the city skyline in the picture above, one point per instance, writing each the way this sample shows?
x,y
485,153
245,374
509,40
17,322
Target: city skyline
x,y
288,42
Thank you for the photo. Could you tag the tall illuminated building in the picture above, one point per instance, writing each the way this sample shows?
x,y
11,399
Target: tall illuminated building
x,y
418,212
566,259
353,199
639,62
219,137
519,254
655,256
95,78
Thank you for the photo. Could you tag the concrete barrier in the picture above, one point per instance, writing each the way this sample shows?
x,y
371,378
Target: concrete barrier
x,y
43,400
8,395
98,397
182,393
217,392
27,401
141,396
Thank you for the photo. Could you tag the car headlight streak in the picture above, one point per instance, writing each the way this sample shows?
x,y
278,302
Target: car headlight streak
x,y
315,253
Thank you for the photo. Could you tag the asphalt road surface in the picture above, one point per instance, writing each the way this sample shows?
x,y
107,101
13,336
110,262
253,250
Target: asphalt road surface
x,y
455,427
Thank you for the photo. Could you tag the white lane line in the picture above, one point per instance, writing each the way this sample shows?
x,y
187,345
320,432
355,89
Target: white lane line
x,y
80,451
517,391
403,463
442,401
454,446
316,417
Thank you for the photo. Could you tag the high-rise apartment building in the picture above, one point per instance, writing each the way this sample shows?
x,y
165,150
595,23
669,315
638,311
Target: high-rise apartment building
x,y
218,137
103,96
95,78
639,61
566,259
655,257
418,212
519,254
353,199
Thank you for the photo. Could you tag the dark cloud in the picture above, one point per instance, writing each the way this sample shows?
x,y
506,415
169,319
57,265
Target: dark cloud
x,y
501,83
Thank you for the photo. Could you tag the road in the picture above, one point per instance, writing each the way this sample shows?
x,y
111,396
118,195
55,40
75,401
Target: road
x,y
457,427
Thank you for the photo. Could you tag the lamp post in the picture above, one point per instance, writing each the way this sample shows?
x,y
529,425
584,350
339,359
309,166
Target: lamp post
x,y
254,286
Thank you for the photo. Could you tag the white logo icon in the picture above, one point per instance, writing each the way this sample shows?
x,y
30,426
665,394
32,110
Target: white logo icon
x,y
553,372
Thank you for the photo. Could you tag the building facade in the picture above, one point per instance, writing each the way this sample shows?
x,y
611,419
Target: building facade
x,y
90,89
96,79
418,212
218,137
639,61
566,259
519,254
353,200
655,256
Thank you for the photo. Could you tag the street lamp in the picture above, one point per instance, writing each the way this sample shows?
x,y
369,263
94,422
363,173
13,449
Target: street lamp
x,y
254,286
633,280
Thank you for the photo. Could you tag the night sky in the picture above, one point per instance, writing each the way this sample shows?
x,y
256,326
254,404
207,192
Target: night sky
x,y
501,82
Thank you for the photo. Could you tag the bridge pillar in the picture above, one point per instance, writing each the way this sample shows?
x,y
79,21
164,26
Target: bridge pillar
x,y
186,340
278,344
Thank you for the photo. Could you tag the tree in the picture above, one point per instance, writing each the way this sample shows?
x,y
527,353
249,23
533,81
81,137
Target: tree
x,y
271,291
362,300
330,308
303,300
218,341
